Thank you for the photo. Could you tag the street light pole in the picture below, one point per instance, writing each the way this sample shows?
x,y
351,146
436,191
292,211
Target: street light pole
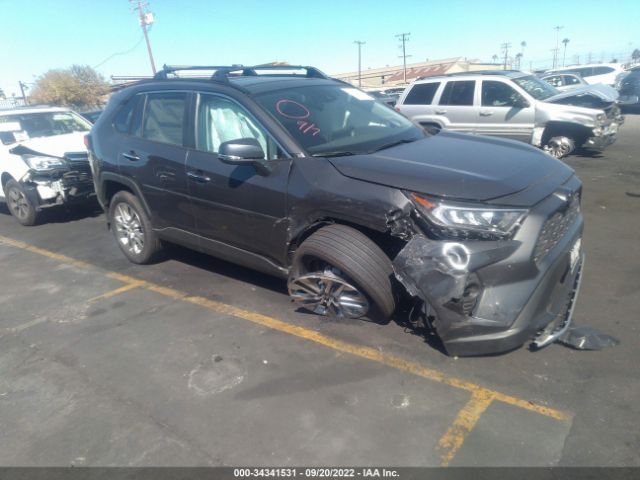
x,y
359,43
557,28
145,19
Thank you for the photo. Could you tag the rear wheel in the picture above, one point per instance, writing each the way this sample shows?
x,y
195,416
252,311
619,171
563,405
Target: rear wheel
x,y
19,204
132,229
338,271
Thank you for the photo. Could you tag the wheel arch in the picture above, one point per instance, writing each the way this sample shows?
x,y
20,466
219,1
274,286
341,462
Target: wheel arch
x,y
579,133
111,183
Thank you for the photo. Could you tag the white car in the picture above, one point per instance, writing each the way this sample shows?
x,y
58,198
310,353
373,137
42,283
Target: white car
x,y
607,73
43,160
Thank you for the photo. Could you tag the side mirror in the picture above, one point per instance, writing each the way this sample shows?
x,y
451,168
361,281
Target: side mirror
x,y
244,151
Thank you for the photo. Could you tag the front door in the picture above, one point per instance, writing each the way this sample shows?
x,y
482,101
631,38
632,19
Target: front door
x,y
505,112
233,204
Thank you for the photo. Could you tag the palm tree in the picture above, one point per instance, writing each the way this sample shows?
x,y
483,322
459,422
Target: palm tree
x,y
635,55
564,55
494,58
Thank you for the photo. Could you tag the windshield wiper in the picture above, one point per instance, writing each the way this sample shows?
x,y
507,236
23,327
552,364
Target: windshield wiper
x,y
337,153
393,144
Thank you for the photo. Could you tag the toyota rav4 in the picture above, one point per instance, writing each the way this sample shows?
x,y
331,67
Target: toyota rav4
x,y
287,171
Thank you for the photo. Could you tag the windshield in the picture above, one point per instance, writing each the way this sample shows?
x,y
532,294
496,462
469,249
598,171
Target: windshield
x,y
47,124
538,89
337,119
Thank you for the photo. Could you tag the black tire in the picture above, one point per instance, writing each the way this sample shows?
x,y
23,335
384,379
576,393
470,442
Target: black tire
x,y
151,245
19,204
358,258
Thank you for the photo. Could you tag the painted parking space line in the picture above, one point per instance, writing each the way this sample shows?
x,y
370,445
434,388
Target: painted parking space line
x,y
116,291
452,440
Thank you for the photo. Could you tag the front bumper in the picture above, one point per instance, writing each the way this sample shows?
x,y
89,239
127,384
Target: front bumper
x,y
605,135
521,290
61,188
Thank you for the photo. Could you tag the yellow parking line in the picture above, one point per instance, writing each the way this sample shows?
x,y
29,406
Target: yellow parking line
x,y
453,439
466,419
116,291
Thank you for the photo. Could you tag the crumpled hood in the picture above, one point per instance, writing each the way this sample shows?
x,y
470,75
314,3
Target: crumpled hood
x,y
599,90
460,166
55,146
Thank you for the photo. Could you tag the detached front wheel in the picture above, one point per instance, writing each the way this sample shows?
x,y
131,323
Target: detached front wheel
x,y
559,146
19,204
339,272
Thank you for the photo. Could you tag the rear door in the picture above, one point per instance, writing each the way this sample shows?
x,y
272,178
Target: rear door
x,y
418,104
457,107
154,155
502,113
236,205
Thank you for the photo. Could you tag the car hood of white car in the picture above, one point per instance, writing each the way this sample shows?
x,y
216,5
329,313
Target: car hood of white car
x,y
600,90
56,146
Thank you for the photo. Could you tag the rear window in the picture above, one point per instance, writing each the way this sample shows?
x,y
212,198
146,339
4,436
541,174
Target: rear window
x,y
458,93
122,122
422,94
164,117
602,70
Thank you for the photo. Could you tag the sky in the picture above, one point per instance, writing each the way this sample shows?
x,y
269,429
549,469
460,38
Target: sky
x,y
38,35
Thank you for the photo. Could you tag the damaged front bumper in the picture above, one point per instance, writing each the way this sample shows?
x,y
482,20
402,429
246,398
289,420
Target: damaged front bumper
x,y
57,188
487,297
603,136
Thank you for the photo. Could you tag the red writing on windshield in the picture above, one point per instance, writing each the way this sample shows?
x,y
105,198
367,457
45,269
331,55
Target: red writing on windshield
x,y
297,111
309,128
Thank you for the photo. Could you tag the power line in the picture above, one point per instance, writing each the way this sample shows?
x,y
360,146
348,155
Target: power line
x,y
120,53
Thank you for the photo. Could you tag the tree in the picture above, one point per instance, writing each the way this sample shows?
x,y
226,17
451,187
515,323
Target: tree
x,y
79,86
2,95
635,55
494,58
518,59
564,55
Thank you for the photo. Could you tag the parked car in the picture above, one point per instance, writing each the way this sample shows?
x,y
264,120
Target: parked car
x,y
564,81
92,116
630,89
515,105
382,97
606,73
43,160
310,179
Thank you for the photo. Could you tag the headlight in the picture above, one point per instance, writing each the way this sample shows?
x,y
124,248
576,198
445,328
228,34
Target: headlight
x,y
601,118
43,164
469,221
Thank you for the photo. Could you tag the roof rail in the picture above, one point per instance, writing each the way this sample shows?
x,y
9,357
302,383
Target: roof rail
x,y
222,73
471,72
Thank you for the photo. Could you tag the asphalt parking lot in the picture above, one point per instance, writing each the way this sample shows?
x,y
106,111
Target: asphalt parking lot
x,y
194,361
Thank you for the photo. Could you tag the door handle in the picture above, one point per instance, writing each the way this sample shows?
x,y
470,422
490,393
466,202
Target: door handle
x,y
196,177
486,114
440,112
132,157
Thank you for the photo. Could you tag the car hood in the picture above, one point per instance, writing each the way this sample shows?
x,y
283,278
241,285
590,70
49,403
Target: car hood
x,y
461,166
599,91
56,146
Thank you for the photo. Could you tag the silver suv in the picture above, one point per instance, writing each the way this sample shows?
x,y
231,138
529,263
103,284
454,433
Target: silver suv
x,y
515,105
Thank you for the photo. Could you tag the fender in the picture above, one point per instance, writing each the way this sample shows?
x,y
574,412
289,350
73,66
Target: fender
x,y
101,190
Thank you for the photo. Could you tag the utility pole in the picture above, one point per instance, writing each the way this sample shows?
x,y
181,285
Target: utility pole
x,y
359,43
145,18
505,46
22,87
557,28
404,37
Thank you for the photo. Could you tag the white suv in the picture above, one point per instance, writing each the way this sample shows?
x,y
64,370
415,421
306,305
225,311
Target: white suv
x,y
43,160
607,73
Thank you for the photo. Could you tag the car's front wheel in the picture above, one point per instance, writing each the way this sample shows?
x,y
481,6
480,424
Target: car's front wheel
x,y
338,271
19,204
132,228
559,146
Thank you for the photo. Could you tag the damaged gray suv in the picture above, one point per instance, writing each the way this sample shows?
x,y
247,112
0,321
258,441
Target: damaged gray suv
x,y
287,171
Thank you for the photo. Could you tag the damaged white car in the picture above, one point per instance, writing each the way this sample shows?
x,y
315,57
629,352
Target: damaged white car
x,y
43,160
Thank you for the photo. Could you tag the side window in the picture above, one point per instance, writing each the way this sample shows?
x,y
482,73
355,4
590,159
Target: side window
x,y
221,120
602,70
422,94
458,93
571,80
585,72
556,81
164,117
498,94
122,121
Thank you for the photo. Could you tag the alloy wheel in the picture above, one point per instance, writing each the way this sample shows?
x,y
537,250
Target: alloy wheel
x,y
18,203
129,228
559,147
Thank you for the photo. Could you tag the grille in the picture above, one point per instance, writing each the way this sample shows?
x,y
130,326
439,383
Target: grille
x,y
555,228
79,162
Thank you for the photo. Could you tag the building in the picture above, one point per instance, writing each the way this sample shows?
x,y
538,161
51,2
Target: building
x,y
392,76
